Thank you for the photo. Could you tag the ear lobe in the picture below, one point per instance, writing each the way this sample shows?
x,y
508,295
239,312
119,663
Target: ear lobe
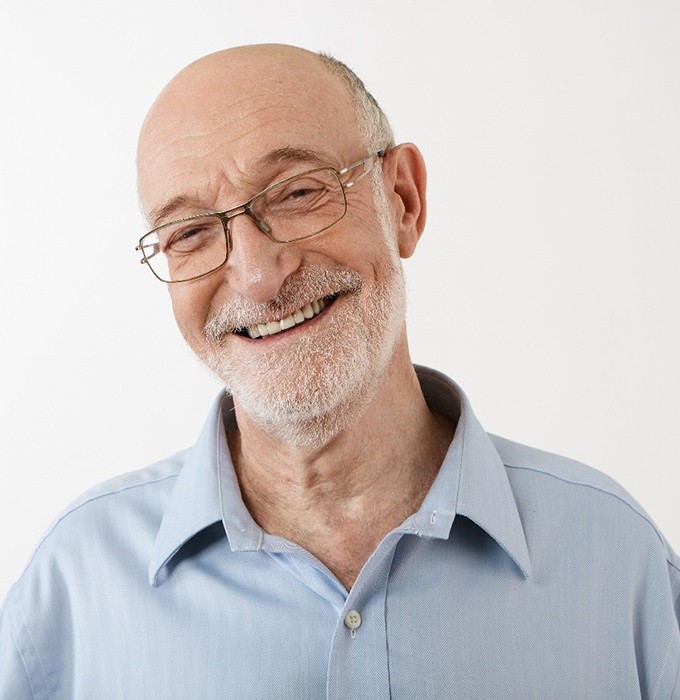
x,y
406,180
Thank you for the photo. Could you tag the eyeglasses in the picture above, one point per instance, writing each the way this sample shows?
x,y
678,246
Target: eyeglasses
x,y
289,210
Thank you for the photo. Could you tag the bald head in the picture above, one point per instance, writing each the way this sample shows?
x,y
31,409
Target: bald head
x,y
231,99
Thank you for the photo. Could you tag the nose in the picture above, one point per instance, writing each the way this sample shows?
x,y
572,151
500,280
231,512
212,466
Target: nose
x,y
257,266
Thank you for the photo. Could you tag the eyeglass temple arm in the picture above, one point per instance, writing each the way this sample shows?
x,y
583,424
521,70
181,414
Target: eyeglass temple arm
x,y
155,248
367,164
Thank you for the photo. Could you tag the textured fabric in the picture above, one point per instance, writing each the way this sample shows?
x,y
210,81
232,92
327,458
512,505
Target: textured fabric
x,y
523,575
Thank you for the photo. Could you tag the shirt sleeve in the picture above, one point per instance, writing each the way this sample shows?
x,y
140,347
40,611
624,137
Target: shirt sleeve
x,y
675,588
14,681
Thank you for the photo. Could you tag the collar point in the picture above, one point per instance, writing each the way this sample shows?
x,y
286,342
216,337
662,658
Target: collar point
x,y
156,575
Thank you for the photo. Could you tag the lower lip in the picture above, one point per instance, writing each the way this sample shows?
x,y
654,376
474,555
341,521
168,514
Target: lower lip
x,y
291,331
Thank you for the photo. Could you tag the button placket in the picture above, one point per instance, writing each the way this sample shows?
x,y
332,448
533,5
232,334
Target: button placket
x,y
358,663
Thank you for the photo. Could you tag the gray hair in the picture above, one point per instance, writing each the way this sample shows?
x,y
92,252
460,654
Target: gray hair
x,y
374,127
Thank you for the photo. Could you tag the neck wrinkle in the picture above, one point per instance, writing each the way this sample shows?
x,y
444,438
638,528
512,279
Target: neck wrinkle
x,y
376,471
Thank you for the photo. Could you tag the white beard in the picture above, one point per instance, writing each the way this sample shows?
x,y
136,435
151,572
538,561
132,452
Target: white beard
x,y
306,392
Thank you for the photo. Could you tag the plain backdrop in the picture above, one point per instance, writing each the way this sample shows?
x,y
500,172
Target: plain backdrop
x,y
546,283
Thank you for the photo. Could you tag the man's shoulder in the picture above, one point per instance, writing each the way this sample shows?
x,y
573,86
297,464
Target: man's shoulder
x,y
122,502
94,555
573,489
157,476
125,484
516,456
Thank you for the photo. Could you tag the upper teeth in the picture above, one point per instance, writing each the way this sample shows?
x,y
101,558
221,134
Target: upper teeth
x,y
259,330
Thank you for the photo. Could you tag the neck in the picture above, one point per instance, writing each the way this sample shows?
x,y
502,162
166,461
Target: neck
x,y
339,499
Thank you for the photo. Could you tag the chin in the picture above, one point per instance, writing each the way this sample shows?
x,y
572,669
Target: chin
x,y
306,393
305,396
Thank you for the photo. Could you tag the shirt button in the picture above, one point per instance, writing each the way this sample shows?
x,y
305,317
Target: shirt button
x,y
353,620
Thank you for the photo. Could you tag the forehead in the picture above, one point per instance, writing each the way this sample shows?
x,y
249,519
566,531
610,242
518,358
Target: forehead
x,y
211,130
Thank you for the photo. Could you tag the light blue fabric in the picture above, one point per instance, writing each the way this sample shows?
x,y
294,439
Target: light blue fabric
x,y
524,575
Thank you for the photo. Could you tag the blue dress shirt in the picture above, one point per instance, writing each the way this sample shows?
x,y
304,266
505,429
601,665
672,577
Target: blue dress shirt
x,y
523,575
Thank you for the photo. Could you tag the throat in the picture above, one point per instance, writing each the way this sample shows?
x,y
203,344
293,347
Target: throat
x,y
337,514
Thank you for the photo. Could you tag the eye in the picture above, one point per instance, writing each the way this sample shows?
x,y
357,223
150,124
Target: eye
x,y
302,192
190,236
183,238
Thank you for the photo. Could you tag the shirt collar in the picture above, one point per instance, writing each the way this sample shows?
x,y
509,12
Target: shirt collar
x,y
472,482
194,502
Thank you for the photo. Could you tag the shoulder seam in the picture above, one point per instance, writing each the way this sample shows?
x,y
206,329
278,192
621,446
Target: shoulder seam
x,y
77,507
585,484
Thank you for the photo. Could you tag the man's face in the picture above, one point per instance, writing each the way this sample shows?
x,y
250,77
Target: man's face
x,y
223,131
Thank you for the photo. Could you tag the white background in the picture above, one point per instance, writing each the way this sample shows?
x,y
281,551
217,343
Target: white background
x,y
547,281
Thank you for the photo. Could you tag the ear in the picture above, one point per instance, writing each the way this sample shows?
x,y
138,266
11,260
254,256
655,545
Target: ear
x,y
406,183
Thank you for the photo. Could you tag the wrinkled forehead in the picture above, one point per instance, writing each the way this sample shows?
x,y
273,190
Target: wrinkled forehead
x,y
220,116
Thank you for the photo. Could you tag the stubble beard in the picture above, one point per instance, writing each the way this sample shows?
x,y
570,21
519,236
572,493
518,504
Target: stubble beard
x,y
308,391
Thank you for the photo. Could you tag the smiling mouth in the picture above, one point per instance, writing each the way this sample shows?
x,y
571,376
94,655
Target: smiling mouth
x,y
297,318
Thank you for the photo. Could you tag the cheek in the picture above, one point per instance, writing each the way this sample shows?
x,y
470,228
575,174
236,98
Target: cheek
x,y
360,241
191,310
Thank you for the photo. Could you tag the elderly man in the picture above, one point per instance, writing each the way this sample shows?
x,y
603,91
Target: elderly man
x,y
343,527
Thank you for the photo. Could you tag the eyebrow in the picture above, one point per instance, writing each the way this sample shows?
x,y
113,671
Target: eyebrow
x,y
277,156
295,154
160,213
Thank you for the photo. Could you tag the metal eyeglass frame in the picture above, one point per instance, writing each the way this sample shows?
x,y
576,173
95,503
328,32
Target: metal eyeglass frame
x,y
245,208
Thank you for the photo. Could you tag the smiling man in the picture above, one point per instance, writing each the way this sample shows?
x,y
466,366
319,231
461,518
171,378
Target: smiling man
x,y
343,526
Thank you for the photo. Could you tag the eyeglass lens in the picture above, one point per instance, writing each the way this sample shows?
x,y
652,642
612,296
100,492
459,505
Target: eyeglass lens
x,y
296,208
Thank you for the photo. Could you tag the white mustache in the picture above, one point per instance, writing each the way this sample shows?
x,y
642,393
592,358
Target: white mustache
x,y
307,285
